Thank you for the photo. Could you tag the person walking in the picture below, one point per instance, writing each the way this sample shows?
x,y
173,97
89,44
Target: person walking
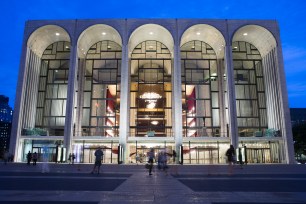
x,y
69,158
35,157
174,156
164,162
6,157
240,158
45,160
151,156
230,153
29,158
72,158
98,160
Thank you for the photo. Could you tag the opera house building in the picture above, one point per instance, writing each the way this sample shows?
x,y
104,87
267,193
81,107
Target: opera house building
x,y
188,87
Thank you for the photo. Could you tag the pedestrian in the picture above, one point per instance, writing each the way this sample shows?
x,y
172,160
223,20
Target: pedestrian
x,y
240,157
174,156
11,158
45,160
151,157
69,158
6,157
164,162
230,153
72,158
159,161
98,160
35,157
29,158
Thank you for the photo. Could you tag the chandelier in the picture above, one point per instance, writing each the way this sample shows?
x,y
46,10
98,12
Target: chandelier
x,y
151,98
154,122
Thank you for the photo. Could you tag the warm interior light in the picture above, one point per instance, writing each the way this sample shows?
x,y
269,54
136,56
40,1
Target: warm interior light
x,y
151,33
57,34
154,122
198,33
245,34
151,98
103,33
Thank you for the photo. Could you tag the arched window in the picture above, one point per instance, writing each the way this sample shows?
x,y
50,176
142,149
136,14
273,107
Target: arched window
x,y
52,89
250,89
101,108
199,90
150,107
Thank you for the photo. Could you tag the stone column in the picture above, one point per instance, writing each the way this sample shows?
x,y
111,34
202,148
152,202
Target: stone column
x,y
284,108
177,95
72,84
222,109
80,100
232,112
124,101
19,104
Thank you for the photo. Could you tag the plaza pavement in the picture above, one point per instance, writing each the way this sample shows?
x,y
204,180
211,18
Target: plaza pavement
x,y
213,184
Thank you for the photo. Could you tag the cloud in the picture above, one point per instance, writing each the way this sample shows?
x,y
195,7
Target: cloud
x,y
297,89
294,60
293,53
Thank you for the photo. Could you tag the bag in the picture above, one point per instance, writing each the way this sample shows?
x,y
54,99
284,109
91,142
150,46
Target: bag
x,y
147,166
234,159
228,153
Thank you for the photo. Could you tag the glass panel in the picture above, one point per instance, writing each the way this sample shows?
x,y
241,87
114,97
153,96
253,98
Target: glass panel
x,y
250,90
201,81
101,110
54,70
150,96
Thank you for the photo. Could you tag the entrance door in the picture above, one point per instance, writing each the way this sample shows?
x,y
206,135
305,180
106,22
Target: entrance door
x,y
258,155
109,157
50,151
139,154
201,155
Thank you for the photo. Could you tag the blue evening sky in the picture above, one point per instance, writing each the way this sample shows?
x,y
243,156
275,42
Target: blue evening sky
x,y
291,16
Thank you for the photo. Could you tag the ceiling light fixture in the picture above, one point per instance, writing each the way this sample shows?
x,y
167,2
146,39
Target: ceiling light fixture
x,y
154,122
151,98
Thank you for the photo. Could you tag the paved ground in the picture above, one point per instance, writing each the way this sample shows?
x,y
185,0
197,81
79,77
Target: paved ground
x,y
67,184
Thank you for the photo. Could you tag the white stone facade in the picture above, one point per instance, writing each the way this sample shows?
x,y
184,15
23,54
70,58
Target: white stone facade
x,y
240,98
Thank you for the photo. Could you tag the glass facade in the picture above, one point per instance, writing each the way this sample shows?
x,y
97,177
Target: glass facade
x,y
151,99
101,96
52,89
250,90
200,91
130,92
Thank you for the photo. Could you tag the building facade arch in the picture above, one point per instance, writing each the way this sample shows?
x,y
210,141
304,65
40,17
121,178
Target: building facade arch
x,y
168,36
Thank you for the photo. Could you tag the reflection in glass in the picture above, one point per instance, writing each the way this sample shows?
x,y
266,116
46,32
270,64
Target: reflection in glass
x,y
199,90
